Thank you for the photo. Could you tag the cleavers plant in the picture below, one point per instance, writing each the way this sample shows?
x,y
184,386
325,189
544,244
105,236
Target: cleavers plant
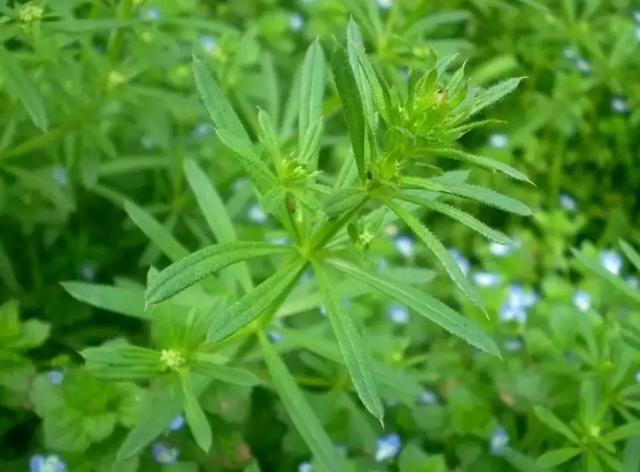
x,y
402,139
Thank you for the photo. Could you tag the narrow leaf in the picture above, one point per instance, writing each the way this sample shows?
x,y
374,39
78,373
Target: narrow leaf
x,y
196,418
623,432
482,161
300,412
123,300
557,456
351,346
460,216
157,233
553,422
489,96
215,213
425,305
18,82
631,254
204,262
255,303
352,107
311,90
441,253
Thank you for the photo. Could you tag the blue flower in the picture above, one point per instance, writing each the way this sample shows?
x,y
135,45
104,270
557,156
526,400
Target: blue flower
x,y
486,279
209,43
55,376
387,447
398,314
567,202
513,345
275,337
305,467
50,463
638,376
499,440
499,140
177,423
427,397
384,4
405,245
636,16
151,14
583,65
570,52
147,142
296,21
462,261
502,250
632,281
88,271
60,175
582,300
518,301
203,129
611,261
164,454
256,214
619,105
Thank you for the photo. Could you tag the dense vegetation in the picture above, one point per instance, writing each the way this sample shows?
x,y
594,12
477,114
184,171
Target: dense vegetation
x,y
319,235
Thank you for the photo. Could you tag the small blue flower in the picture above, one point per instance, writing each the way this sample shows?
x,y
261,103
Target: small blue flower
x,y
398,314
567,202
387,447
636,16
462,261
60,175
323,310
296,21
632,281
611,261
502,250
384,4
177,423
518,301
203,129
305,467
582,300
619,105
583,65
209,43
499,440
570,52
274,337
151,14
147,142
486,279
256,214
164,454
50,463
405,245
427,397
88,271
55,376
638,376
499,140
513,345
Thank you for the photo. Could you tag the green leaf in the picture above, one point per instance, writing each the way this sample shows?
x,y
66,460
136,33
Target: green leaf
x,y
460,216
482,161
123,362
215,213
157,233
301,414
7,274
312,81
233,375
196,418
19,84
123,300
477,193
601,272
267,134
631,254
553,422
264,297
557,456
204,262
352,348
425,305
489,96
351,106
441,253
228,126
623,432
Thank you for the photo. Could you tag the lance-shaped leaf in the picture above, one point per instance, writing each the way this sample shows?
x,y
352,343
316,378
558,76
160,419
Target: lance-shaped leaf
x,y
157,233
631,254
215,213
481,161
311,91
204,262
210,366
491,95
351,106
299,411
261,299
552,421
425,305
458,215
20,85
472,192
228,126
441,253
123,362
352,348
196,418
123,300
557,456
